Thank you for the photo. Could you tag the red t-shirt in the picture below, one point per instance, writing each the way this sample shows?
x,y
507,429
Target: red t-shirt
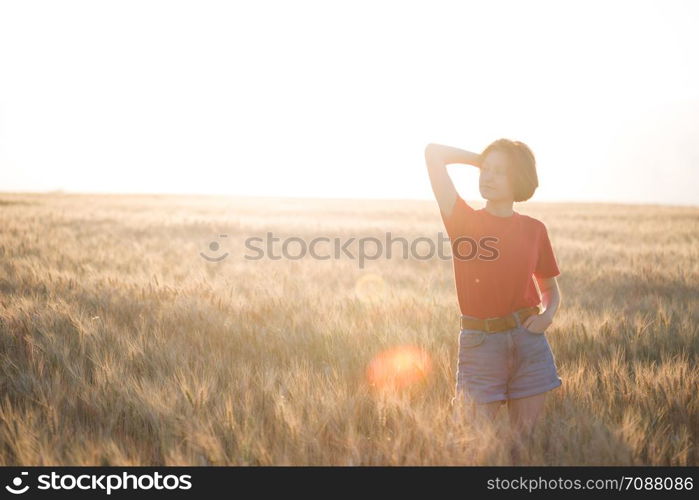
x,y
496,258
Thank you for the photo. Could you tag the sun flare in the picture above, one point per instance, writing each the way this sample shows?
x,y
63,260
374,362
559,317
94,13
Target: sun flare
x,y
398,368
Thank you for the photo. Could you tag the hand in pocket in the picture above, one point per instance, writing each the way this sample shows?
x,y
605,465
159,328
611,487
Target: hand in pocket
x,y
537,323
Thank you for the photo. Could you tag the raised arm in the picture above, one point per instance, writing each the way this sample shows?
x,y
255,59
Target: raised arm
x,y
437,157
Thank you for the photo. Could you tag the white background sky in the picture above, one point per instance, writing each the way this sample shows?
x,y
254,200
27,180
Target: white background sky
x,y
340,98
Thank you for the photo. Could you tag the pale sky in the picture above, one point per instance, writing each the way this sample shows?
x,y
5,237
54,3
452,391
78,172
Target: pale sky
x,y
339,99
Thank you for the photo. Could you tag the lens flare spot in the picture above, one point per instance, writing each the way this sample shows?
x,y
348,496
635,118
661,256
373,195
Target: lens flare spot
x,y
370,288
398,368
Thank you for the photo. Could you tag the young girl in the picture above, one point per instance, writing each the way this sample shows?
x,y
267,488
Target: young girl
x,y
497,255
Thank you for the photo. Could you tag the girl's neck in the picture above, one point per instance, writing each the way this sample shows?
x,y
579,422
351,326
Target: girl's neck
x,y
499,208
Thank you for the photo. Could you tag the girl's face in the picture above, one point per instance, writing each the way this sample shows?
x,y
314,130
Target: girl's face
x,y
494,183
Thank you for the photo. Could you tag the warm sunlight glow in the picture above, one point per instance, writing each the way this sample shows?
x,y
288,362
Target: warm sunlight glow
x,y
398,368
312,98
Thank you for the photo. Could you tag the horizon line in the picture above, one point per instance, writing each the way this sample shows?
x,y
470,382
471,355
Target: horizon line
x,y
338,198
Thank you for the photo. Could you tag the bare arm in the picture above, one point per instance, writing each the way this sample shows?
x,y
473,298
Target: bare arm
x,y
437,157
551,298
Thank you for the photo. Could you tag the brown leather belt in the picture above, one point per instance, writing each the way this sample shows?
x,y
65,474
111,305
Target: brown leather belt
x,y
499,324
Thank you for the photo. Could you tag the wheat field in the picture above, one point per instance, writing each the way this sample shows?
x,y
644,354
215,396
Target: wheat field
x,y
122,345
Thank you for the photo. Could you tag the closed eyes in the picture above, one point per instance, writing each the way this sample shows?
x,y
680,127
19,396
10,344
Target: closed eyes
x,y
499,171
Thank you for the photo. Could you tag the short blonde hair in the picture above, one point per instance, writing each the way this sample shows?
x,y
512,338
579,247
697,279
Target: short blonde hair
x,y
522,167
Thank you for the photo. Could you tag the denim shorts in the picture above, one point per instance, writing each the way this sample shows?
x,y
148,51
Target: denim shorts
x,y
511,364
